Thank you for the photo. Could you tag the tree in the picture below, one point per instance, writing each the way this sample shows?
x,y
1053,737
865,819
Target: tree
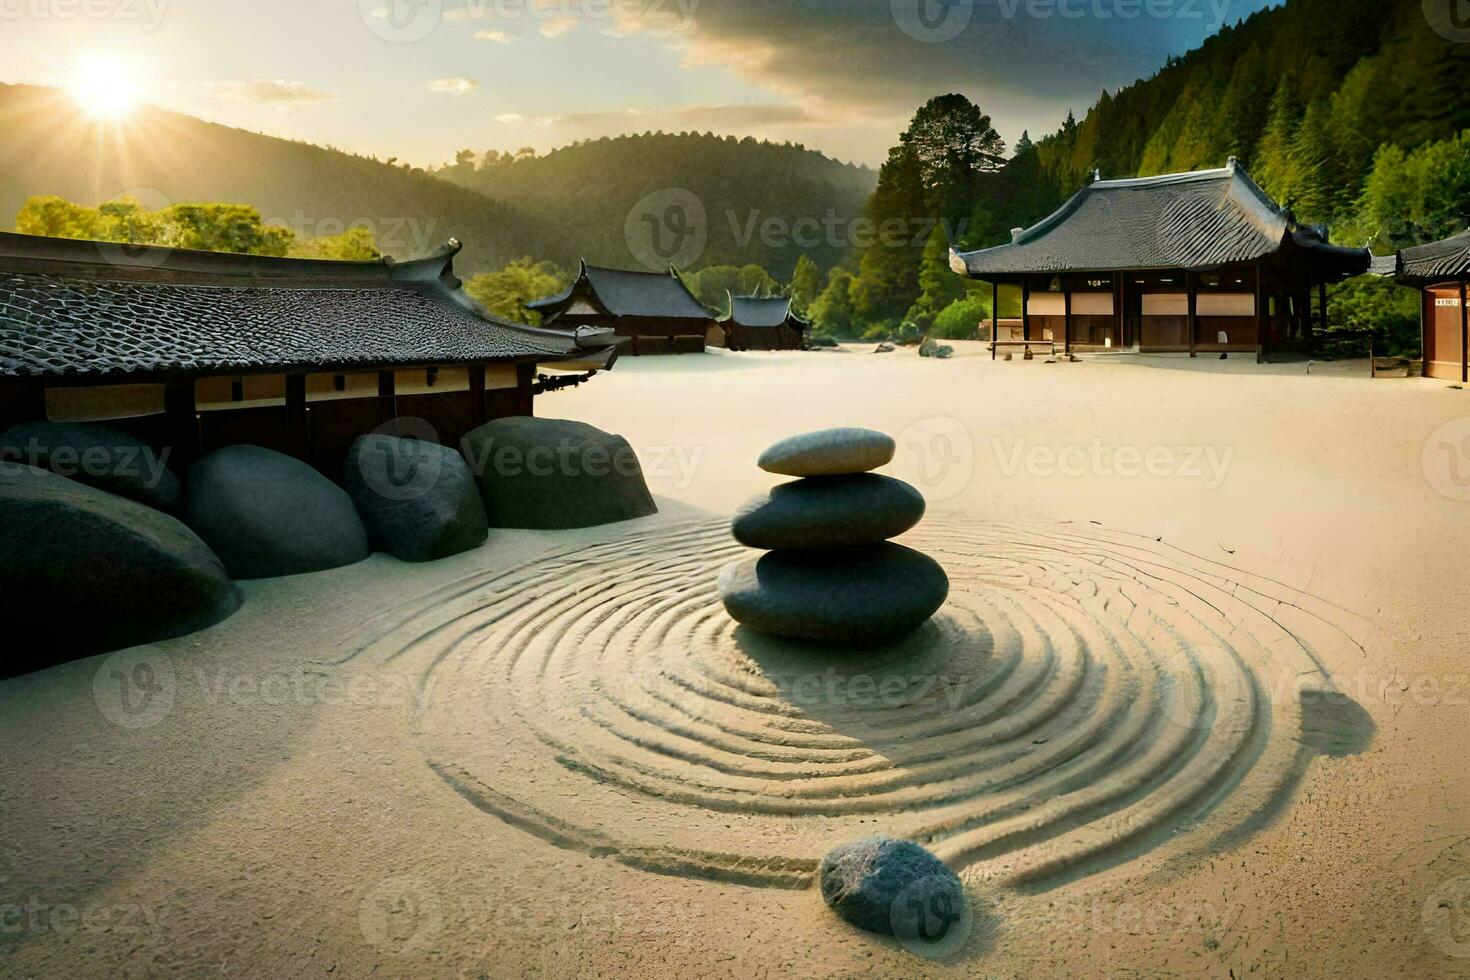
x,y
506,292
806,285
888,273
1023,145
939,285
952,140
353,245
832,312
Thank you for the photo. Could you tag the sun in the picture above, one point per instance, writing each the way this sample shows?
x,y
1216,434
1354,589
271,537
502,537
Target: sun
x,y
106,87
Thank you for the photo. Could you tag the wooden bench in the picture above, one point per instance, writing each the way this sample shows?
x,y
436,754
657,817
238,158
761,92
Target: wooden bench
x,y
1050,346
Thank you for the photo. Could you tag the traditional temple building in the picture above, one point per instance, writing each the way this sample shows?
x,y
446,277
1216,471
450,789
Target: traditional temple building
x,y
199,350
1196,262
1441,270
656,311
757,323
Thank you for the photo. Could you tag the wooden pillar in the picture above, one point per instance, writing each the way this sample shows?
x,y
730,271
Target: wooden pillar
x,y
1120,324
387,396
1025,309
1192,288
525,399
477,395
994,317
1067,317
634,335
1261,354
1321,313
181,420
298,419
1464,333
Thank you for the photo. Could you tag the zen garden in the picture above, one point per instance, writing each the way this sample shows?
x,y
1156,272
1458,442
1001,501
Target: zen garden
x,y
744,524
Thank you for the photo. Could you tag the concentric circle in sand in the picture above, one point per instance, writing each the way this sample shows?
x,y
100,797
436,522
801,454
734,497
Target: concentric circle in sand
x,y
1084,698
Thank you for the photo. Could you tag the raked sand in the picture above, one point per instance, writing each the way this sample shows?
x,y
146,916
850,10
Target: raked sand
x,y
1197,706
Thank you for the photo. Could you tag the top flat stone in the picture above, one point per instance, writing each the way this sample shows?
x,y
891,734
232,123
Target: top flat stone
x,y
831,452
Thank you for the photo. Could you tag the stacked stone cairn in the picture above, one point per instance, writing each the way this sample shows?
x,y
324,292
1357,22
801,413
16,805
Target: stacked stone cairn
x,y
831,573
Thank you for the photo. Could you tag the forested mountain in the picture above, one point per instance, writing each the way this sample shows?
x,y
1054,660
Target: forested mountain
x,y
1306,95
559,207
162,158
587,190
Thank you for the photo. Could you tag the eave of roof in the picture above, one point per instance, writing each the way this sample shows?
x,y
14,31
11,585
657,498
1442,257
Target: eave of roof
x,y
1201,220
80,309
624,292
1436,262
761,311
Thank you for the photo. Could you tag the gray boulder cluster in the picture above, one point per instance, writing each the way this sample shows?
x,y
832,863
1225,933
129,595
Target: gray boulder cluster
x,y
101,539
831,573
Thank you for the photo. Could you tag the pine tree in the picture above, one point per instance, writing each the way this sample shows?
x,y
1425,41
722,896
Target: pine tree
x,y
938,284
806,285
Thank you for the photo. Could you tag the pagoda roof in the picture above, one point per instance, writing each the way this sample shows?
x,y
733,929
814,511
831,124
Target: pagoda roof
x,y
73,308
627,293
1436,262
1200,220
759,311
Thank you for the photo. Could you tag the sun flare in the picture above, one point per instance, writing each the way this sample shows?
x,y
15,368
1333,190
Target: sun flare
x,y
106,87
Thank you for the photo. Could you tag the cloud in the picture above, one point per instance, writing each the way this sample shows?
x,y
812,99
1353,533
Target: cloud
x,y
454,86
557,26
510,117
280,94
499,37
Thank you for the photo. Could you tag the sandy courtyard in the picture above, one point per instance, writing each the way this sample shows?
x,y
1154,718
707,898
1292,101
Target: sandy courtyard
x,y
1210,617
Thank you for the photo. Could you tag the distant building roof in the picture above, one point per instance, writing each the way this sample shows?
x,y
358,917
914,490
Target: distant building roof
x,y
1437,261
754,311
78,308
625,293
1198,220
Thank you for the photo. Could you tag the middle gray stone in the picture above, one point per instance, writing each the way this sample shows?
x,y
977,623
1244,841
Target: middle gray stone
x,y
829,512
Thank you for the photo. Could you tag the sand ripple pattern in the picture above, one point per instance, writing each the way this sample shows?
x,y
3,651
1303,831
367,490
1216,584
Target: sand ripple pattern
x,y
1085,698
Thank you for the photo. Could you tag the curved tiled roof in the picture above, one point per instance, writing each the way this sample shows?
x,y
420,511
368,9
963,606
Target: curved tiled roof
x,y
1437,261
1195,220
752,311
626,293
93,309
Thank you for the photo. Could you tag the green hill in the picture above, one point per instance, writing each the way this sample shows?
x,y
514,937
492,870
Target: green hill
x,y
1305,94
587,190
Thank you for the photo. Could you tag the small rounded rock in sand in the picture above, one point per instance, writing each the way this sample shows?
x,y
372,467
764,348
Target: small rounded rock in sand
x,y
895,887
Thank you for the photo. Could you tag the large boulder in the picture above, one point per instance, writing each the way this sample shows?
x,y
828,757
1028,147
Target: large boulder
x,y
548,475
831,452
268,515
96,455
853,596
418,499
894,887
829,512
83,571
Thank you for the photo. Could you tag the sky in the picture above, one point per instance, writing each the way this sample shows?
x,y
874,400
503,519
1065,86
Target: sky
x,y
420,79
